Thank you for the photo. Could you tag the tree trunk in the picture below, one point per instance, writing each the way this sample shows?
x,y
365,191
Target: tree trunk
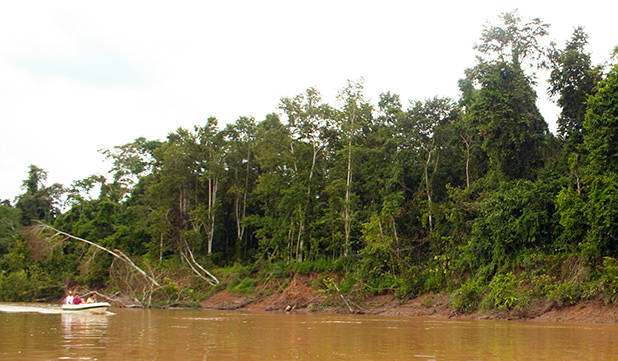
x,y
161,248
346,223
212,198
467,144
240,206
301,223
428,191
244,197
395,236
299,240
191,262
577,178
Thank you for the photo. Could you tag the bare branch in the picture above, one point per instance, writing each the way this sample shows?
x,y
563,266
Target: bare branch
x,y
116,253
194,262
343,298
182,254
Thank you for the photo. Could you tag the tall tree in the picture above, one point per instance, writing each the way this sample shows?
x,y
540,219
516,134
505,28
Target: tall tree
x,y
276,201
211,153
308,122
512,42
240,138
390,165
9,227
351,117
601,126
511,125
467,129
572,80
129,162
601,145
172,190
426,119
39,202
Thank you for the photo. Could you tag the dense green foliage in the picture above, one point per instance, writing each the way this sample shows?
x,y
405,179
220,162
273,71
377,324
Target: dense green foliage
x,y
471,196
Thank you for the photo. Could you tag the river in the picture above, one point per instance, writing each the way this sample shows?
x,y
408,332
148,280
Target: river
x,y
43,332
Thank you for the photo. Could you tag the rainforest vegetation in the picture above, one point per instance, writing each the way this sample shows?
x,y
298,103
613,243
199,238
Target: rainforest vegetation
x,y
473,197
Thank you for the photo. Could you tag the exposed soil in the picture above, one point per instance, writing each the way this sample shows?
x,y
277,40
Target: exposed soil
x,y
300,296
297,296
583,312
225,300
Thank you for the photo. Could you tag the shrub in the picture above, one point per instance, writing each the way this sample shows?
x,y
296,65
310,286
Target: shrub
x,y
427,301
466,298
303,268
347,283
532,263
609,279
572,219
435,274
377,267
518,216
307,267
170,287
235,272
505,294
243,287
593,289
602,211
31,285
541,285
322,265
409,284
275,270
15,286
566,293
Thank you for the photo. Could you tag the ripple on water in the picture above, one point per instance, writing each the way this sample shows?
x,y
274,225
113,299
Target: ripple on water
x,y
202,318
29,308
341,321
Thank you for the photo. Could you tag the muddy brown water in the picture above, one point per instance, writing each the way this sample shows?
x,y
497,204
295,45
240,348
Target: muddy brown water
x,y
43,332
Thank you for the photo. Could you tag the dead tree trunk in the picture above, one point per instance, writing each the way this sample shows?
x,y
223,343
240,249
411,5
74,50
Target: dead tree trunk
x,y
193,264
427,189
116,253
212,200
467,144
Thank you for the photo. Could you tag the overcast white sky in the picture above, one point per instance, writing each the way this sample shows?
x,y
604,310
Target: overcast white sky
x,y
79,76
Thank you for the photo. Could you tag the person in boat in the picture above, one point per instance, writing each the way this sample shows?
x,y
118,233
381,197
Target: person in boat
x,y
77,300
69,299
91,299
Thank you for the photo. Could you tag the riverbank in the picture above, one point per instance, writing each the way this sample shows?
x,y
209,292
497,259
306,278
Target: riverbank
x,y
301,297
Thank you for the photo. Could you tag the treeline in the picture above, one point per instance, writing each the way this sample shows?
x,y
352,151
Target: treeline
x,y
472,195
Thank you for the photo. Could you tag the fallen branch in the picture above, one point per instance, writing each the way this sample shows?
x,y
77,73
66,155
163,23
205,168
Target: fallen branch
x,y
116,253
343,298
128,260
199,266
332,282
109,298
184,256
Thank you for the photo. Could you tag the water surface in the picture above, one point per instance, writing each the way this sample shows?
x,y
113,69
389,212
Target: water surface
x,y
43,332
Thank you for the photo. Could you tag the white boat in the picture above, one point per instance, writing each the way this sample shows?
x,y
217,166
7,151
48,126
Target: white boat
x,y
97,307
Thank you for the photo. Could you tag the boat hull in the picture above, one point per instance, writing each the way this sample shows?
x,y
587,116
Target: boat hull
x,y
97,307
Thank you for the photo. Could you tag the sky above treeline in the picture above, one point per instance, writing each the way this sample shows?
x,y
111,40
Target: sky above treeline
x,y
79,76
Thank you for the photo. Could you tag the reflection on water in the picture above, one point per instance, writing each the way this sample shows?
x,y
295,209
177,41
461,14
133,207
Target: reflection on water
x,y
88,324
209,335
84,335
